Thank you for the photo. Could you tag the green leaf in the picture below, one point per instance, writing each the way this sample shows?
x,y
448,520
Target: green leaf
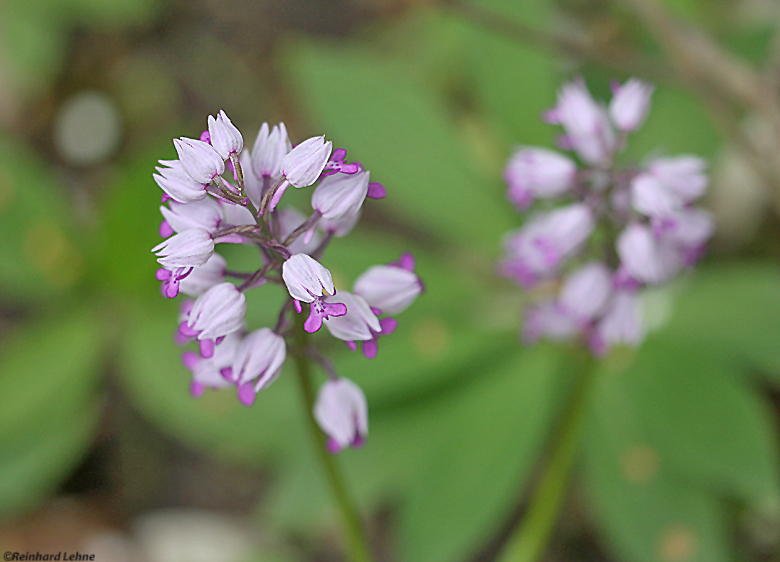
x,y
735,312
33,471
707,424
48,407
381,108
646,512
40,255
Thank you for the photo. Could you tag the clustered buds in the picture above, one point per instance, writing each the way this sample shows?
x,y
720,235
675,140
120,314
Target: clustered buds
x,y
640,221
202,209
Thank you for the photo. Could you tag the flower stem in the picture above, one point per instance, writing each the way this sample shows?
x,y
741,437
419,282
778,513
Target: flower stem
x,y
357,544
529,542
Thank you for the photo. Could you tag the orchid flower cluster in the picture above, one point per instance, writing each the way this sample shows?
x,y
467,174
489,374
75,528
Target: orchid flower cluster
x,y
619,229
204,209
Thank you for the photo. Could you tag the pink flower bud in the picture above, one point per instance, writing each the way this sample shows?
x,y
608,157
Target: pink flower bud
x,y
587,126
270,150
257,363
340,195
205,214
533,173
199,159
341,411
683,175
646,258
303,165
188,249
585,292
306,279
652,198
389,288
225,138
630,104
622,324
537,250
177,183
217,312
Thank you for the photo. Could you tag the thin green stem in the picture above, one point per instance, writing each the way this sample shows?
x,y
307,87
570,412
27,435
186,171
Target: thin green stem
x,y
530,540
357,544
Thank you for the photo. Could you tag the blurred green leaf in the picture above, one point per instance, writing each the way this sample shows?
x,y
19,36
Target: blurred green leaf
x,y
48,408
677,124
646,512
40,254
32,41
707,424
735,312
381,108
32,472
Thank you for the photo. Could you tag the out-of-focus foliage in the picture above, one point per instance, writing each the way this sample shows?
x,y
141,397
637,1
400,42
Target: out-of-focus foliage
x,y
681,440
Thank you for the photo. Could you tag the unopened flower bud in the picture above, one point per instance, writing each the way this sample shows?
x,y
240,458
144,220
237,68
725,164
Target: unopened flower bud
x,y
303,165
622,324
538,249
646,258
177,183
341,411
683,175
389,288
217,312
225,138
630,104
205,214
199,159
269,151
190,248
257,363
586,291
306,279
533,173
340,195
587,126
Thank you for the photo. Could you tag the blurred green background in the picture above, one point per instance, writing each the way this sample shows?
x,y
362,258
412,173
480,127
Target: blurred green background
x,y
102,449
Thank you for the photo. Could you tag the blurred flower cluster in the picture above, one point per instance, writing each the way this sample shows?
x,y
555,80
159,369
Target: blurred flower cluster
x,y
205,209
621,228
